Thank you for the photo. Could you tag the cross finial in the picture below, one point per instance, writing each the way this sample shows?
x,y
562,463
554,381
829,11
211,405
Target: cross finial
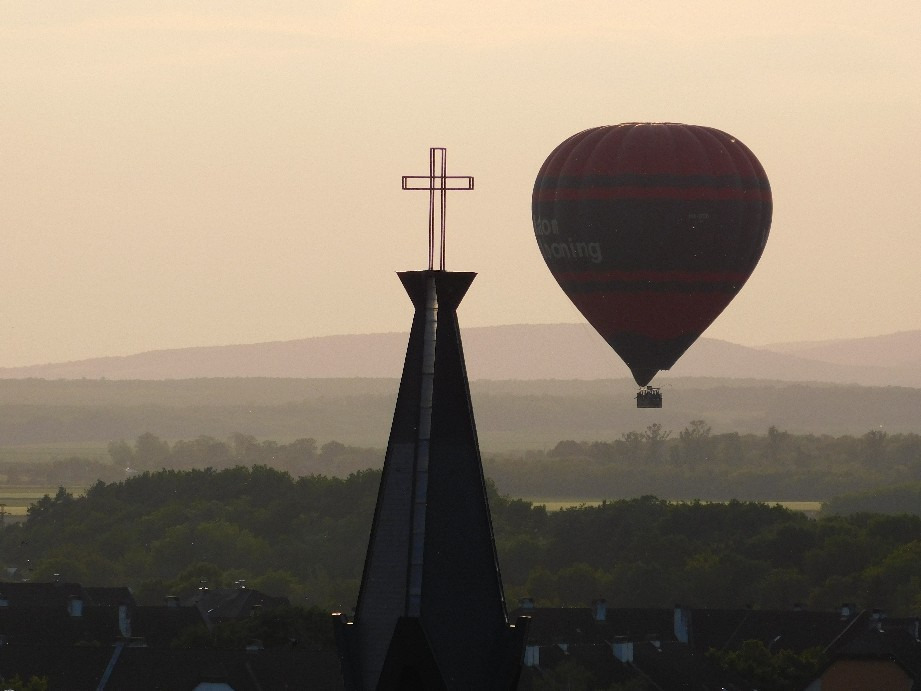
x,y
437,181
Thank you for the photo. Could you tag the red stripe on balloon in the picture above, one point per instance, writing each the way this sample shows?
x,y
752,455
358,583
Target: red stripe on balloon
x,y
682,193
654,314
582,277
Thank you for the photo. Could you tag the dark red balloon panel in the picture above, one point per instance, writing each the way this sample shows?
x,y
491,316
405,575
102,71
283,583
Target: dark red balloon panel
x,y
651,229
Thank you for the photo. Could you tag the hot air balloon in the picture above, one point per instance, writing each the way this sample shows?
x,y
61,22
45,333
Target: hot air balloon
x,y
651,229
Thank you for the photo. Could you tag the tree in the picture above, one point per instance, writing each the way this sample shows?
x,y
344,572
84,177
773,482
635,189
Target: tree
x,y
542,586
579,584
770,671
655,438
874,447
567,449
566,676
246,449
633,441
121,453
33,683
777,443
203,452
277,627
150,452
694,443
298,458
894,584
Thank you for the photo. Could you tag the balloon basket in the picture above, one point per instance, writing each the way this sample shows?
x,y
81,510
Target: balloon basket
x,y
648,397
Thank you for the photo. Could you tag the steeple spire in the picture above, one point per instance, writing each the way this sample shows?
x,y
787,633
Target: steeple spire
x,y
431,612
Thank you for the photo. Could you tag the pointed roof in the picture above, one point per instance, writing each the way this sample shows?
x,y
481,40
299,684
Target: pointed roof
x,y
431,555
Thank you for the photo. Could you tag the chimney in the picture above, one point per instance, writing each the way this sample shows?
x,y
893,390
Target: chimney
x,y
623,649
847,610
600,609
75,606
532,656
124,621
876,619
682,624
172,600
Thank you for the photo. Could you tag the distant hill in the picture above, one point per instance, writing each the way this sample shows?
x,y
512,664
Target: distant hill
x,y
902,349
517,352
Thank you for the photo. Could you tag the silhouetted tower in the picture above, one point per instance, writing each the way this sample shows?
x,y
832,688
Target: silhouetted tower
x,y
431,612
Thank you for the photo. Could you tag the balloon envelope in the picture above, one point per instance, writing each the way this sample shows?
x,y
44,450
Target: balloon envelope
x,y
651,229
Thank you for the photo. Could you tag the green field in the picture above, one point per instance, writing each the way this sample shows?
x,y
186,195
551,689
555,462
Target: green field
x,y
808,507
43,453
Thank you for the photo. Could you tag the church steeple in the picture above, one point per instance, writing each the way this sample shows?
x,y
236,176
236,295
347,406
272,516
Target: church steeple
x,y
431,612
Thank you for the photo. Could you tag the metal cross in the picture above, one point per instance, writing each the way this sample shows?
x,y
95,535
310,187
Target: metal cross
x,y
437,181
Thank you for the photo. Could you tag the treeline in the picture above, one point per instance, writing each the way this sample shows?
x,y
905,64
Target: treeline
x,y
150,452
300,457
170,532
164,533
892,500
695,463
692,463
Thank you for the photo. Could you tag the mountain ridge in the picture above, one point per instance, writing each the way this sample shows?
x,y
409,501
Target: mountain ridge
x,y
510,352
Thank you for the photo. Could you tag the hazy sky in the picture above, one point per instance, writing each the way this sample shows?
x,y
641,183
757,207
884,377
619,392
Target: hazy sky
x,y
176,174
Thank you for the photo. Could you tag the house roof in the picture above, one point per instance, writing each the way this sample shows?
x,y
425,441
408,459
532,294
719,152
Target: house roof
x,y
888,640
657,653
778,629
40,594
160,626
639,624
576,625
599,661
40,635
148,669
232,603
709,628
39,614
35,625
552,625
104,595
897,645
